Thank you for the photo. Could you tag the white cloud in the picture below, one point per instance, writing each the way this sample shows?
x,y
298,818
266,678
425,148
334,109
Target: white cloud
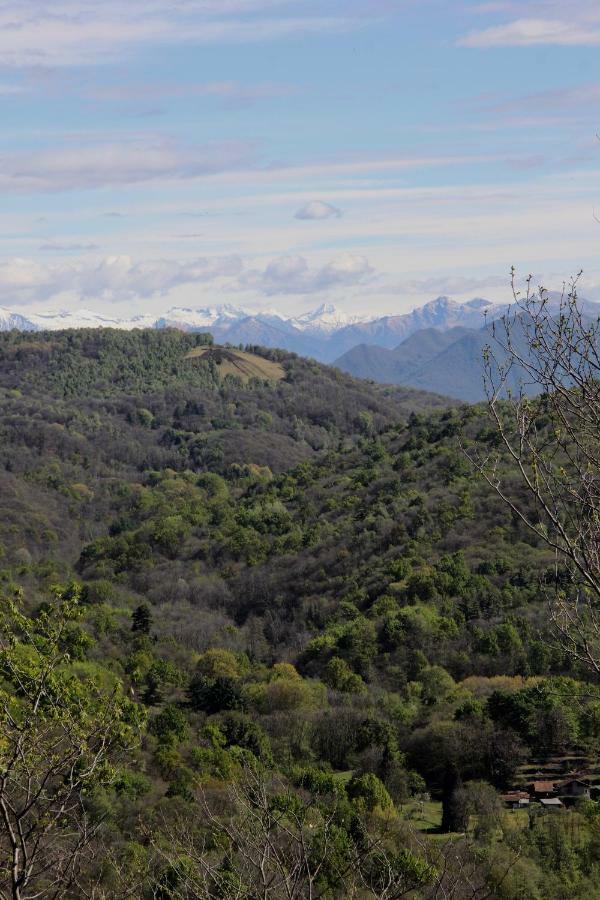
x,y
113,279
111,163
293,275
80,32
120,279
532,32
369,166
580,8
317,209
81,164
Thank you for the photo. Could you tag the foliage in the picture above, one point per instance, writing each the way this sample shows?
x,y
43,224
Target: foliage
x,y
61,737
298,582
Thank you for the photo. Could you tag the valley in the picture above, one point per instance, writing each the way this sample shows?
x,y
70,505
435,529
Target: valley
x,y
289,568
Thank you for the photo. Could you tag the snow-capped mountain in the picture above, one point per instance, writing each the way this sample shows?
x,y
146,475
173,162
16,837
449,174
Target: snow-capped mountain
x,y
10,320
389,331
325,333
84,318
446,313
190,319
325,320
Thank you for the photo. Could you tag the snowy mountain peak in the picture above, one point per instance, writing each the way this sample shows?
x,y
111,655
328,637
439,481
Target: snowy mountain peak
x,y
10,320
81,318
443,312
479,303
203,316
190,319
325,331
326,318
442,305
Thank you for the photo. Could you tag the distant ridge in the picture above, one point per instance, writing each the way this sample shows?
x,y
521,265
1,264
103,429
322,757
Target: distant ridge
x,y
325,332
397,365
446,361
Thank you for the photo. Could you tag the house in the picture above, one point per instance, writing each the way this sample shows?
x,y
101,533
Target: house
x,y
551,803
515,799
543,789
573,789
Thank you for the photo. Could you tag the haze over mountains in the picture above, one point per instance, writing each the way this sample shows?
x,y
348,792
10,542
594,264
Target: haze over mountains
x,y
446,359
325,333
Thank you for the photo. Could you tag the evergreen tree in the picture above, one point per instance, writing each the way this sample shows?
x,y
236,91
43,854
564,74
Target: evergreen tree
x,y
153,687
141,619
455,816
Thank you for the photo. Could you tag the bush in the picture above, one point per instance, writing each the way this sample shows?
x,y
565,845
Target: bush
x,y
369,792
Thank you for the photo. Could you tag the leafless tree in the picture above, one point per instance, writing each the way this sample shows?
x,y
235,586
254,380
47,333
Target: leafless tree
x,y
57,740
264,840
463,872
542,377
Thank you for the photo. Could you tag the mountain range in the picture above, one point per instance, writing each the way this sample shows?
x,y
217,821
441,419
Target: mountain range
x,y
437,347
325,333
445,360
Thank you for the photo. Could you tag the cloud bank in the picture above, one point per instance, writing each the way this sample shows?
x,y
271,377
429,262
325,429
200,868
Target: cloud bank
x,y
293,275
113,279
117,279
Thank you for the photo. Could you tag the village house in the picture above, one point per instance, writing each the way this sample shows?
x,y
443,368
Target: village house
x,y
515,799
573,789
542,790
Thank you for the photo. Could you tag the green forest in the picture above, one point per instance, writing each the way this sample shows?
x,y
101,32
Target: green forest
x,y
278,638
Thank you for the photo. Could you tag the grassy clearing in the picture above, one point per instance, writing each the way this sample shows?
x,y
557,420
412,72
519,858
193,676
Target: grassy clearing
x,y
237,362
343,777
424,816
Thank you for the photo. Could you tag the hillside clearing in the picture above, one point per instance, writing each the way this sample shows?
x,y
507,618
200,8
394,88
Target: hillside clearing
x,y
237,362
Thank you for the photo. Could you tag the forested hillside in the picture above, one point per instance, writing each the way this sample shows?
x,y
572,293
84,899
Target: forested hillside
x,y
323,636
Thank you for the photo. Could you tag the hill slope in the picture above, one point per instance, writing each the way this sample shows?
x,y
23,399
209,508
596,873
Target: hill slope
x,y
159,407
236,362
396,366
303,573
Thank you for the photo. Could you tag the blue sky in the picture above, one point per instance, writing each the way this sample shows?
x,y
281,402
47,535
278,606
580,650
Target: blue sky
x,y
280,154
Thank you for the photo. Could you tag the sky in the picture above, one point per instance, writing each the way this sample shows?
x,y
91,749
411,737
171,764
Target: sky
x,y
281,154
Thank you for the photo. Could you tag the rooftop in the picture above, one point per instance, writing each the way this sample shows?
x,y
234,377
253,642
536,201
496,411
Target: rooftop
x,y
542,787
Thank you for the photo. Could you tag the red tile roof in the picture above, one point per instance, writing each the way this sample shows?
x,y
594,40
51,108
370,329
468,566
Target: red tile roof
x,y
543,787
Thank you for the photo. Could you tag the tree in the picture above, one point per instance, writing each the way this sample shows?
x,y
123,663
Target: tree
x,y
141,619
60,735
455,815
153,687
275,842
545,358
169,726
340,677
369,792
213,695
437,683
483,802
